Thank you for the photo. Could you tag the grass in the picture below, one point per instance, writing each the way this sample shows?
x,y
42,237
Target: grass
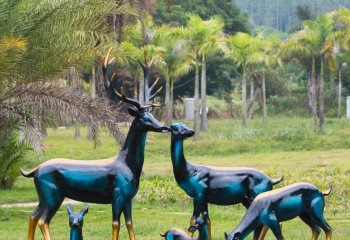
x,y
285,146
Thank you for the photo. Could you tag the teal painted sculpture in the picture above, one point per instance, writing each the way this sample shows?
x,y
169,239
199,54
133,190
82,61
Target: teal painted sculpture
x,y
179,234
221,186
76,222
111,181
271,208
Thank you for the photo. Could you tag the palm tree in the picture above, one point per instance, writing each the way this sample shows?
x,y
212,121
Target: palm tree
x,y
265,57
243,46
50,36
174,61
313,43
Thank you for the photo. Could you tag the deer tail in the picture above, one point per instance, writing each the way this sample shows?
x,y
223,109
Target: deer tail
x,y
29,174
326,193
276,181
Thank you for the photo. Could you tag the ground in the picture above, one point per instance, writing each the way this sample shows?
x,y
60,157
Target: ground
x,y
285,146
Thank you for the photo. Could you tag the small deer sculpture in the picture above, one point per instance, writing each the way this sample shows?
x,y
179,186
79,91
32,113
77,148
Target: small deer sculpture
x,y
271,208
76,221
220,186
179,234
111,181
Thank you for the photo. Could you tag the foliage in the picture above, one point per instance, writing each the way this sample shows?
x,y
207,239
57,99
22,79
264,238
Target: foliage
x,y
12,154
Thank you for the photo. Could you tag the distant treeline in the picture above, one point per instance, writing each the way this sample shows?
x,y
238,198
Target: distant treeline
x,y
280,14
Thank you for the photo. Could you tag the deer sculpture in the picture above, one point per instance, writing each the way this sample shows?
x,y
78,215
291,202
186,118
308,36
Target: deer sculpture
x,y
179,234
271,208
112,181
76,221
220,186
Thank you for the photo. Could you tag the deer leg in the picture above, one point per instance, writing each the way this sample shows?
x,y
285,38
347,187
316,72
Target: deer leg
x,y
117,206
208,220
308,220
263,233
275,228
128,219
195,215
316,214
33,220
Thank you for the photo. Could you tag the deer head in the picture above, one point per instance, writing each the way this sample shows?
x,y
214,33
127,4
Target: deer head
x,y
142,113
76,219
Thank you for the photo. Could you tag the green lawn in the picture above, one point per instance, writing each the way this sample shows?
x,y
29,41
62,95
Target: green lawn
x,y
285,146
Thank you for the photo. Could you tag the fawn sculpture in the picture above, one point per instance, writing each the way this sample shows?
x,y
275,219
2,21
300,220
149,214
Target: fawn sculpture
x,y
179,234
271,208
220,186
76,221
111,181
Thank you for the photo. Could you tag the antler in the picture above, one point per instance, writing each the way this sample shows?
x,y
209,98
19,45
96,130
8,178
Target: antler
x,y
148,90
108,83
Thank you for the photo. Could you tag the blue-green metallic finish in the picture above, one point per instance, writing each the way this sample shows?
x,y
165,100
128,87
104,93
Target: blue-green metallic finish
x,y
200,225
115,181
271,208
76,222
221,186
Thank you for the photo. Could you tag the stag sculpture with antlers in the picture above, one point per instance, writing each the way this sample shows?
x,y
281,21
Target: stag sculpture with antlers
x,y
111,181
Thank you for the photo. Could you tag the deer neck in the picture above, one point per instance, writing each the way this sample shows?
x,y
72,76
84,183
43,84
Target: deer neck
x,y
134,148
76,234
178,159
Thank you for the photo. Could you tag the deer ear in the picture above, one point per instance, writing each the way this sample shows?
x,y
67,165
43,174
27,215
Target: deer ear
x,y
133,111
85,210
69,209
226,236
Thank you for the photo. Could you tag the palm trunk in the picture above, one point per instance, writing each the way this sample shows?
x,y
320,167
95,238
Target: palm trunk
x,y
93,80
264,95
167,101
196,98
171,99
244,97
313,87
135,88
321,97
77,134
340,83
204,120
142,92
252,96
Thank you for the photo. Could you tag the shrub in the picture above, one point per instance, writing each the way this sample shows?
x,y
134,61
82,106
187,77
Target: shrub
x,y
12,153
291,133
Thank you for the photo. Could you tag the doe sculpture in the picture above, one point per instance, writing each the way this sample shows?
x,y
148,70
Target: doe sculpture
x,y
112,181
179,234
271,208
76,221
220,186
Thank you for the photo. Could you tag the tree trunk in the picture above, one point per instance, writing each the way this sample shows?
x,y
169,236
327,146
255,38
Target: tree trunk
x,y
264,95
204,120
171,99
93,80
313,87
244,97
340,83
77,134
142,91
251,104
252,96
309,91
321,98
135,88
196,98
167,101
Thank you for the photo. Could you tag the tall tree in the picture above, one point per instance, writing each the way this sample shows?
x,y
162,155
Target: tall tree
x,y
243,46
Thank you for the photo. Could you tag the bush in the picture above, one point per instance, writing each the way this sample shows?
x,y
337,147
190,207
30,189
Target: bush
x,y
291,133
12,153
